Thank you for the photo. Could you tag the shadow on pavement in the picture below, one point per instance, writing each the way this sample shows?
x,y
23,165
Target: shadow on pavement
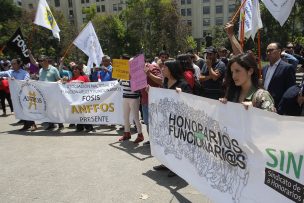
x,y
65,132
133,149
172,184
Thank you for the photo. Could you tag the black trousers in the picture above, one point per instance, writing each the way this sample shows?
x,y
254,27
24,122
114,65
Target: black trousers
x,y
7,96
84,126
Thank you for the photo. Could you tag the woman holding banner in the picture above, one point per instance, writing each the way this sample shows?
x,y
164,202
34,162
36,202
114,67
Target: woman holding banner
x,y
173,79
79,76
242,84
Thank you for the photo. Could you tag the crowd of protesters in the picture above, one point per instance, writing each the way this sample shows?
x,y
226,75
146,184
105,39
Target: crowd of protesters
x,y
216,73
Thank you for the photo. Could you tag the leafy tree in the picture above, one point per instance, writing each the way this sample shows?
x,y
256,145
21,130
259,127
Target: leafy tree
x,y
9,14
153,25
8,10
40,40
111,32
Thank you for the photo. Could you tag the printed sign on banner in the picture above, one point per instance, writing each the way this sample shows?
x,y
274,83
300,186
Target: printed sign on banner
x,y
138,75
79,103
229,158
120,69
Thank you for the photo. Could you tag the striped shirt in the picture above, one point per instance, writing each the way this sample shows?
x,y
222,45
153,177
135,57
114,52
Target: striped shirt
x,y
126,90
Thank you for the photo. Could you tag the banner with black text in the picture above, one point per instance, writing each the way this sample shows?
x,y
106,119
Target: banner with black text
x,y
228,153
78,103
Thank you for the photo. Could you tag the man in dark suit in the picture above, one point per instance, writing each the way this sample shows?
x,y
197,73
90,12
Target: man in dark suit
x,y
278,76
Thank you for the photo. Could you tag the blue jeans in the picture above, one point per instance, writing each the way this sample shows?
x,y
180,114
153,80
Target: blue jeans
x,y
145,111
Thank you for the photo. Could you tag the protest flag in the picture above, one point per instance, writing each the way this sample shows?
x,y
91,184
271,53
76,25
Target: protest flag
x,y
279,9
45,18
256,18
87,41
245,25
17,44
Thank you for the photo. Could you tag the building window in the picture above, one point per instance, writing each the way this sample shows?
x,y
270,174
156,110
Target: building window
x,y
183,12
98,9
206,1
71,13
189,22
30,6
103,8
206,21
231,8
97,0
219,21
70,3
206,10
219,9
82,1
119,7
188,1
114,7
183,2
189,13
57,3
88,1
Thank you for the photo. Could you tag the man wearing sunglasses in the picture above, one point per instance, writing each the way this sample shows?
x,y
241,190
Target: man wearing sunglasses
x,y
278,76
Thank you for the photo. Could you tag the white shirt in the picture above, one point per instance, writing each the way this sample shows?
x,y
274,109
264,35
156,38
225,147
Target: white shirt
x,y
269,74
197,71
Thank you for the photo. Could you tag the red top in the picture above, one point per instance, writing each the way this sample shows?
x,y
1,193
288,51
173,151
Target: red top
x,y
189,77
82,78
4,86
155,70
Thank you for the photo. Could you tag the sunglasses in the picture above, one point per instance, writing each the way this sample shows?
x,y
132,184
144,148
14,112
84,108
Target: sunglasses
x,y
270,50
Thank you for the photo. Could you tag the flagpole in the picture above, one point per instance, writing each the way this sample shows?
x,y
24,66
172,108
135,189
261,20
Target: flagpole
x,y
259,54
1,50
67,50
242,31
237,12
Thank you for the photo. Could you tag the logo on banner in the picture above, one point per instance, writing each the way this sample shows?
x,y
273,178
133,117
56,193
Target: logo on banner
x,y
289,164
32,101
50,18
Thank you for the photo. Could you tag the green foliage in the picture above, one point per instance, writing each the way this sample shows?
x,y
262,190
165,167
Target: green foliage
x,y
153,25
40,40
144,26
219,36
111,31
191,43
8,10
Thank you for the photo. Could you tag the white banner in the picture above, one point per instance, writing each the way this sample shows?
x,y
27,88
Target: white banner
x,y
228,153
79,103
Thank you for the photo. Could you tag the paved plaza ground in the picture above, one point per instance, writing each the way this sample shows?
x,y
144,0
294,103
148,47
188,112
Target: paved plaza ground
x,y
68,166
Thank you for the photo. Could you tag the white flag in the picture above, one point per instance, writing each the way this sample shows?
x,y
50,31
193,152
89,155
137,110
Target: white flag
x,y
279,9
45,18
256,18
88,42
247,11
